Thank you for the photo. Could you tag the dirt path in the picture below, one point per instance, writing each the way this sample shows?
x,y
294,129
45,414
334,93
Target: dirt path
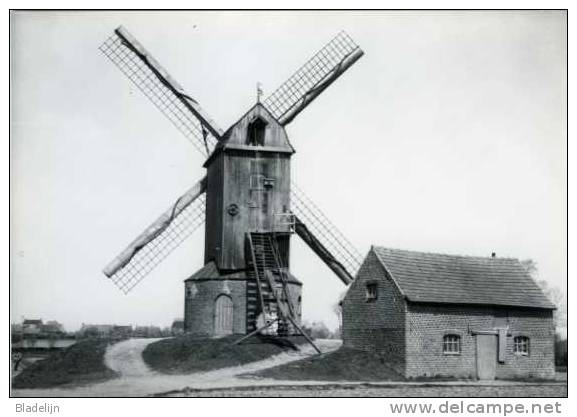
x,y
137,380
126,357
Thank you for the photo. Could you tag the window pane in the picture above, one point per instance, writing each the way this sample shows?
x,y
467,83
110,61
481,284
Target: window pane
x,y
372,291
521,345
451,344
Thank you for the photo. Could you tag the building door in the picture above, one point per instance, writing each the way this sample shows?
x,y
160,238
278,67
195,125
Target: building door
x,y
223,313
260,196
486,356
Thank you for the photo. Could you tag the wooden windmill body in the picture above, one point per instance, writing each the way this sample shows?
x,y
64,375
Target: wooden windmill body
x,y
247,234
246,200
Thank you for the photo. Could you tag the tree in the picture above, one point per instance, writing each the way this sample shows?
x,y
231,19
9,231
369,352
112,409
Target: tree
x,y
560,351
338,310
317,330
554,294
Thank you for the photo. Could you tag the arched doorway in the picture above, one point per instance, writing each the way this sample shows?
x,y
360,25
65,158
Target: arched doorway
x,y
223,314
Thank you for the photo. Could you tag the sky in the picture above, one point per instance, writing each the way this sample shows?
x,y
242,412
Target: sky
x,y
449,136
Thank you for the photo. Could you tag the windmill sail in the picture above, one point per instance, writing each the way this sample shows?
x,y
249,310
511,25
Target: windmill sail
x,y
161,89
326,256
159,239
314,227
313,77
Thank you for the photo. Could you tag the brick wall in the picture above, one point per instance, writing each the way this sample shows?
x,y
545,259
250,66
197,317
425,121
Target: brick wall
x,y
199,304
409,336
426,325
377,326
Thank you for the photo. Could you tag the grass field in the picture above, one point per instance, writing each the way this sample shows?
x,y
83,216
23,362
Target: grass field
x,y
186,354
81,363
344,364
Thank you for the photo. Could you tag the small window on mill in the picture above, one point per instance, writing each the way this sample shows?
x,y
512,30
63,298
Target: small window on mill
x,y
372,291
256,132
452,344
521,345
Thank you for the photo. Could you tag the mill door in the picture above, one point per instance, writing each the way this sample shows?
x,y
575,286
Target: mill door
x,y
486,356
223,313
260,196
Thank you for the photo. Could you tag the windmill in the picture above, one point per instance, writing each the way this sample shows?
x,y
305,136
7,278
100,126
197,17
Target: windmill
x,y
246,200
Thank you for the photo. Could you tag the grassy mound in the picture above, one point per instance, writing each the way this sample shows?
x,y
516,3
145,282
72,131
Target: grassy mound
x,y
81,363
344,364
186,354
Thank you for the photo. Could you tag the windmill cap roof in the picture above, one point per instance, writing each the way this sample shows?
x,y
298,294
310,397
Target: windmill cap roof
x,y
257,111
454,279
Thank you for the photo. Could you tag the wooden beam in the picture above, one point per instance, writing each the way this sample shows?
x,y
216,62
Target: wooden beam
x,y
256,331
164,77
308,97
323,253
255,267
155,228
306,336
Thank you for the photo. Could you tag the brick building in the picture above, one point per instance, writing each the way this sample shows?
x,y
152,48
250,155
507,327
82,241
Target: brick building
x,y
32,327
443,315
219,303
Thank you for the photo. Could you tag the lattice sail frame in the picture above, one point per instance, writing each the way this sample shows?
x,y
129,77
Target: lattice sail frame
x,y
313,77
325,231
159,87
142,261
187,214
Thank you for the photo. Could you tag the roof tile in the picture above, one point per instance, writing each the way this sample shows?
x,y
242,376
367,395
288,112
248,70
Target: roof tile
x,y
438,278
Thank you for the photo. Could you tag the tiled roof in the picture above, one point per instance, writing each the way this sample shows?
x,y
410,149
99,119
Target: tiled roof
x,y
211,271
436,278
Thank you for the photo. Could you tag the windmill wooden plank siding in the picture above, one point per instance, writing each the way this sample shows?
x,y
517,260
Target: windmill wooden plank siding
x,y
248,186
407,324
237,199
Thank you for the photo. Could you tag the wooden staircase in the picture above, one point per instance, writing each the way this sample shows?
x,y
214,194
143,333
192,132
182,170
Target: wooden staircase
x,y
267,291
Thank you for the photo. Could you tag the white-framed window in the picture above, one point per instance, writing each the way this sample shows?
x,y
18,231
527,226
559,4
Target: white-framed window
x,y
452,344
521,345
372,291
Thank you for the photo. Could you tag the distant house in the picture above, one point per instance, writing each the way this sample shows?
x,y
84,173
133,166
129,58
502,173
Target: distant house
x,y
147,331
429,315
95,330
52,329
37,328
121,331
31,327
37,336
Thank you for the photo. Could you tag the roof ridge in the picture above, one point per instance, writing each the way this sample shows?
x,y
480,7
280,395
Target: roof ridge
x,y
446,254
